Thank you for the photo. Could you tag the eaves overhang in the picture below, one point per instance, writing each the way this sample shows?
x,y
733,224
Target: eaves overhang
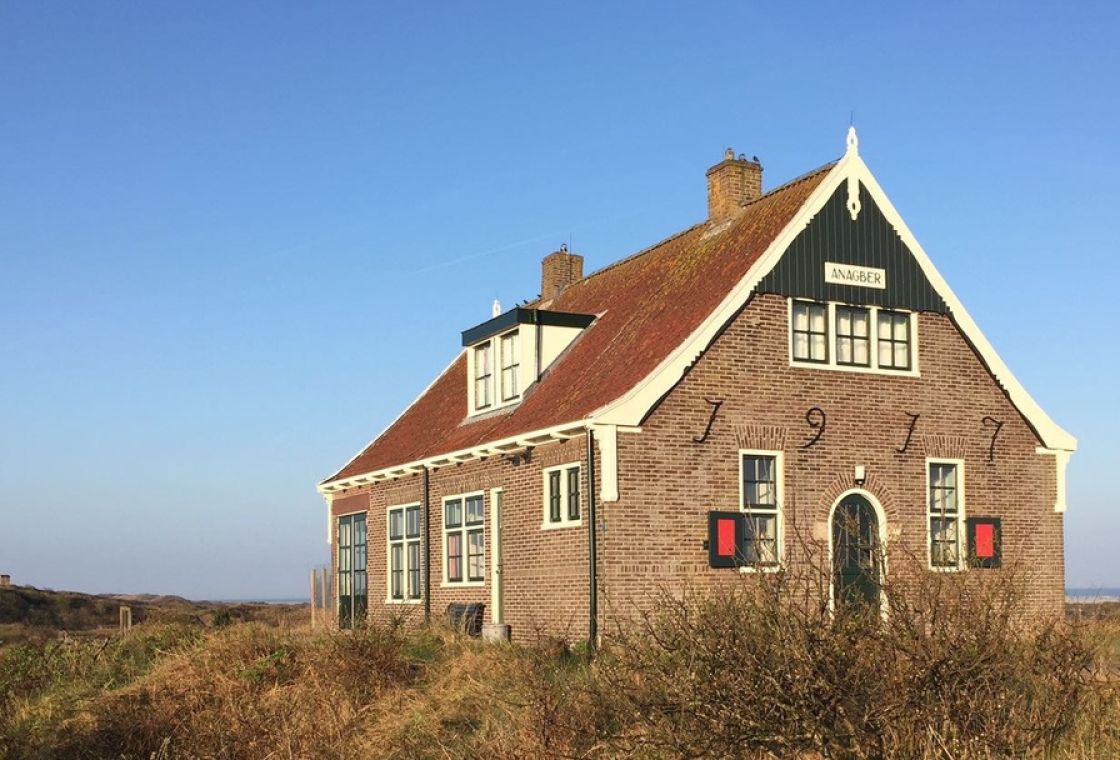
x,y
520,442
521,316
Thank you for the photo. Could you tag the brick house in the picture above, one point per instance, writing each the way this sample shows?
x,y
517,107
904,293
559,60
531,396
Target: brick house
x,y
792,366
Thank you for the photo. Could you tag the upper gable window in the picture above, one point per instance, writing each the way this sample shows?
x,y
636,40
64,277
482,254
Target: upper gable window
x,y
810,331
853,338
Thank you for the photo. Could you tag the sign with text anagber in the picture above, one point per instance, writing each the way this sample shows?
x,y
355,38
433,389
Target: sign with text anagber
x,y
850,274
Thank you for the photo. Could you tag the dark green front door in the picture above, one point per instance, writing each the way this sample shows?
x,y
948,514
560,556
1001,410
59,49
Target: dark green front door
x,y
855,553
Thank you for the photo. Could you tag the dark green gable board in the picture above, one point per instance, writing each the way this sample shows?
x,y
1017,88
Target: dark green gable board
x,y
869,241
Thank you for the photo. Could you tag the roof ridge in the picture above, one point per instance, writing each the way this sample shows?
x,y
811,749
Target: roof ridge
x,y
780,188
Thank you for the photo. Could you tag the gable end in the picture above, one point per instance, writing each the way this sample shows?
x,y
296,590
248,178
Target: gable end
x,y
869,241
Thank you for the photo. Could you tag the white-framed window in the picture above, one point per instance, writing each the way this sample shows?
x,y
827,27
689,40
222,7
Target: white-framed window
x,y
809,332
562,496
464,540
483,376
853,338
760,496
510,366
494,373
403,558
945,506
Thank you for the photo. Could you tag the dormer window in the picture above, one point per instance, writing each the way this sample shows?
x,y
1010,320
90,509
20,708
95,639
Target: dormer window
x,y
496,375
483,376
510,366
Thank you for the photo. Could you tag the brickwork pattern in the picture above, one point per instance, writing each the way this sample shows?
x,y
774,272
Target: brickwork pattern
x,y
559,269
668,483
651,539
731,183
544,573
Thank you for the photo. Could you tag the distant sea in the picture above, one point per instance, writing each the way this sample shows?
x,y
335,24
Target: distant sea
x,y
1097,594
294,600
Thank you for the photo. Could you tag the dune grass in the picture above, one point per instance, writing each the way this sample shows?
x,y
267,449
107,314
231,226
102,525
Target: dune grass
x,y
698,679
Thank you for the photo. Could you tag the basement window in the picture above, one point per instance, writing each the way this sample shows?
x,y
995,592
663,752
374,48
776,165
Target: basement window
x,y
852,338
562,496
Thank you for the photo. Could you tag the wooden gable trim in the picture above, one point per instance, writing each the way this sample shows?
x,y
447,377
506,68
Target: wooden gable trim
x,y
632,408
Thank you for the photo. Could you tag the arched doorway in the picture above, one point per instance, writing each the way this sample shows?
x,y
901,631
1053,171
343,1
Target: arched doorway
x,y
857,555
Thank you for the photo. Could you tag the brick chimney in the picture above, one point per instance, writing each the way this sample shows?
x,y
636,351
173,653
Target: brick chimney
x,y
731,183
559,269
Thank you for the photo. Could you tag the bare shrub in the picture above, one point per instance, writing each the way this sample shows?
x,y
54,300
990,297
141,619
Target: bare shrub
x,y
953,671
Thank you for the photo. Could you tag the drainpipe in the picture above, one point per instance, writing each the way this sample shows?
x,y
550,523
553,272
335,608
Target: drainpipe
x,y
592,550
426,509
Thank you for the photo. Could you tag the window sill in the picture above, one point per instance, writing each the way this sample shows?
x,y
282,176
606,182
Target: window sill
x,y
944,569
403,601
756,570
854,368
492,408
561,525
462,584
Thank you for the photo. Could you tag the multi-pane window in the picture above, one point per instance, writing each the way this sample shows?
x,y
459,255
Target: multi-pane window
x,y
761,503
404,553
894,340
483,376
561,496
464,544
945,514
810,331
352,593
869,338
510,365
853,336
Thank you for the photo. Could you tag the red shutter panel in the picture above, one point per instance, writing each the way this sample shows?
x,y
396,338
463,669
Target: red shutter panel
x,y
726,539
985,542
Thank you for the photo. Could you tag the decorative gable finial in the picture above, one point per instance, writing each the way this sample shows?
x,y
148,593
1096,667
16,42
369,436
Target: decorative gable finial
x,y
496,308
853,181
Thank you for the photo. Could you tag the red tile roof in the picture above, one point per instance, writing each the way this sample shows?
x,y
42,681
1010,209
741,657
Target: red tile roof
x,y
648,304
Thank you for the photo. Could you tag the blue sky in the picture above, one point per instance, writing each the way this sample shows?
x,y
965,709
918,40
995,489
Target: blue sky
x,y
237,238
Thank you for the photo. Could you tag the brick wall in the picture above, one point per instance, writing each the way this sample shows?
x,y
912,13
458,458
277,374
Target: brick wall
x,y
668,483
545,576
651,539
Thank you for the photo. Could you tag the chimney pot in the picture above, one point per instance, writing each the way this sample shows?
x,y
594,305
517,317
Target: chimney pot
x,y
559,269
732,183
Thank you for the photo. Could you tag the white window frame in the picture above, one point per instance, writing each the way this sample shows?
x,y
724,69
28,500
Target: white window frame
x,y
515,343
780,494
547,523
463,530
831,364
962,539
494,383
403,542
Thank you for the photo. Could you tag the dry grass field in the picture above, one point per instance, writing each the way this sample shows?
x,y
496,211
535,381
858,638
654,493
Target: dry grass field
x,y
735,677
